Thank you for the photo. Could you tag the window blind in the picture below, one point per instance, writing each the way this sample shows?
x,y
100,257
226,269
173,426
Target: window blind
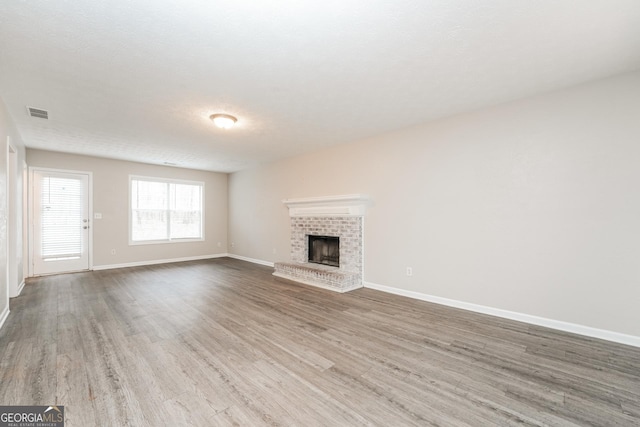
x,y
61,215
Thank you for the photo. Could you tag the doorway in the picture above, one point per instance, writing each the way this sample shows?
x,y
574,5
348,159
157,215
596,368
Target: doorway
x,y
61,221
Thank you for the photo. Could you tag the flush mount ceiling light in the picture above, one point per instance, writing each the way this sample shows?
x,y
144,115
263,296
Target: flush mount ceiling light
x,y
224,121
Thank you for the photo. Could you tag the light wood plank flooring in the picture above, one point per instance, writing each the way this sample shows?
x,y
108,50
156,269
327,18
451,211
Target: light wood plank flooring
x,y
222,342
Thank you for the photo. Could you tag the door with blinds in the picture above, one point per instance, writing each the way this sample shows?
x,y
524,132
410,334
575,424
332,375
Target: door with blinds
x,y
61,226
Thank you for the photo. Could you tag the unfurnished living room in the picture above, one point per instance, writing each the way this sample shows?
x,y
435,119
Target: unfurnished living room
x,y
305,213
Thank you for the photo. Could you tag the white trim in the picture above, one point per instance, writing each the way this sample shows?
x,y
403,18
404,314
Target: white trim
x,y
157,261
4,221
343,205
10,218
20,287
162,242
253,260
79,172
316,284
512,315
90,218
4,315
25,219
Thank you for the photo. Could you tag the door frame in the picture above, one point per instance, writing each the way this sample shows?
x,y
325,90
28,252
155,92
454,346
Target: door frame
x,y
12,220
32,169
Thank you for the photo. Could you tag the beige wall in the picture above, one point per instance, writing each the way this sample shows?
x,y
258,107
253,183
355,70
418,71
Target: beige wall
x,y
531,207
7,129
111,199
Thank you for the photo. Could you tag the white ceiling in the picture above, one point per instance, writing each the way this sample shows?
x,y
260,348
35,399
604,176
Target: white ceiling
x,y
137,80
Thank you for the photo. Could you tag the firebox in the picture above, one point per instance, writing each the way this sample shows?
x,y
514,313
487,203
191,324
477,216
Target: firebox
x,y
324,250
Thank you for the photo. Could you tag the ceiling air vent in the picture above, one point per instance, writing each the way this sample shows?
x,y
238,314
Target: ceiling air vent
x,y
38,112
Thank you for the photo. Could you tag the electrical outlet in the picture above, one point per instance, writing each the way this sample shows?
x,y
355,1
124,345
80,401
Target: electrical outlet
x,y
219,244
274,250
409,271
233,245
113,251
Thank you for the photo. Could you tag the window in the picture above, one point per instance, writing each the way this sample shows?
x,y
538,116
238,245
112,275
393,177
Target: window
x,y
164,210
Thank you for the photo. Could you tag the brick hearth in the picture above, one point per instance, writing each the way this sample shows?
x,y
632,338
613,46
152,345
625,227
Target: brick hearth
x,y
345,222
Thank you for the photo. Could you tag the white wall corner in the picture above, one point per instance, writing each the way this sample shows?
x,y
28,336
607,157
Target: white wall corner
x,y
512,315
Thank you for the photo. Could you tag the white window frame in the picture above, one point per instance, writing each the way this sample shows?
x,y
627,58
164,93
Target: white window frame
x,y
166,181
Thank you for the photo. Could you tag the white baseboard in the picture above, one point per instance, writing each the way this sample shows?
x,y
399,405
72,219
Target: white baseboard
x,y
253,260
512,315
4,315
18,290
20,287
157,261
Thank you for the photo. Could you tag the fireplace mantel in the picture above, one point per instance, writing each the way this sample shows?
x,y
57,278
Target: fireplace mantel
x,y
328,206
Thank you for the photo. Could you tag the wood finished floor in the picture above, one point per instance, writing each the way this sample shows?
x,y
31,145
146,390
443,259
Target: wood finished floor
x,y
222,342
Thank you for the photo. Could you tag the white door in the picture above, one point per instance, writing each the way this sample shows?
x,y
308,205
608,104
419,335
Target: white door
x,y
61,224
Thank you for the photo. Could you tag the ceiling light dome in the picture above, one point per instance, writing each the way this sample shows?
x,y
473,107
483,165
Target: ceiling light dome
x,y
223,121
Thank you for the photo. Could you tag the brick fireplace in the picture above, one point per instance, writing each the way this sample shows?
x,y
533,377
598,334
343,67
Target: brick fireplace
x,y
335,216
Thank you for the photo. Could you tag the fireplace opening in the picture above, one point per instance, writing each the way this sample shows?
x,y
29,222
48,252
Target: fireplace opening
x,y
324,250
